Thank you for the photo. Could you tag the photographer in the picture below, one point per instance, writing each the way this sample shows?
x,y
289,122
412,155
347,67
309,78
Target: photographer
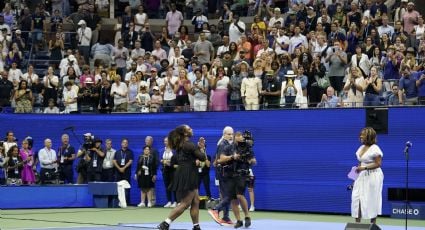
x,y
236,160
83,154
95,159
66,155
48,162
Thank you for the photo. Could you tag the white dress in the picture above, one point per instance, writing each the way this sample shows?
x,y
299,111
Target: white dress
x,y
367,190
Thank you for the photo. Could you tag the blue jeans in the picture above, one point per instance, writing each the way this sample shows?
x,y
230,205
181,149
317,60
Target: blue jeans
x,y
371,99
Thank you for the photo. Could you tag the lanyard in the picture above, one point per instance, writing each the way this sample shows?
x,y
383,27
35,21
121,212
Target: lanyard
x,y
146,160
123,154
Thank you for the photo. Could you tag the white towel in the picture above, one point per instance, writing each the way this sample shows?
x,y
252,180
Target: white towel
x,y
121,186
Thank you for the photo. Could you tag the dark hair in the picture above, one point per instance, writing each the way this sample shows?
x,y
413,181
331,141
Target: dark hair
x,y
20,84
176,137
370,136
9,152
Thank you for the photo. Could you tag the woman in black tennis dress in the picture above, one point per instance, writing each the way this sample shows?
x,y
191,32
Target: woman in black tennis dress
x,y
185,181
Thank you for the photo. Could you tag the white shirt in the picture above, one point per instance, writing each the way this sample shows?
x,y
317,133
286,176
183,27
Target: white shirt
x,y
30,78
281,39
222,49
69,96
47,156
54,80
121,93
273,20
139,19
84,36
296,41
169,90
223,83
8,145
15,75
251,87
234,33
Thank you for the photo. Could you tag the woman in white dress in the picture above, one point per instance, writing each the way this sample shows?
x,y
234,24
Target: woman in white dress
x,y
366,199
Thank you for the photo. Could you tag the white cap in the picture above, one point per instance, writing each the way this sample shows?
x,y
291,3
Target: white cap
x,y
81,22
87,134
155,88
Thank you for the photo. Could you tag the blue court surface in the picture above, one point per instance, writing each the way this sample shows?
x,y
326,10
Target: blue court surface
x,y
262,224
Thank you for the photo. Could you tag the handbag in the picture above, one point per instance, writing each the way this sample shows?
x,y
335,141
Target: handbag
x,y
323,82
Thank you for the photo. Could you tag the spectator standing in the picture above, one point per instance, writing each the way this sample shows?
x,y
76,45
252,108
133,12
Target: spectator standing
x,y
354,87
271,88
37,28
203,49
140,19
48,161
373,87
410,18
408,86
119,91
219,85
250,92
27,156
6,90
51,83
168,90
337,59
199,91
174,19
15,74
236,29
93,21
84,36
168,174
120,55
107,165
23,98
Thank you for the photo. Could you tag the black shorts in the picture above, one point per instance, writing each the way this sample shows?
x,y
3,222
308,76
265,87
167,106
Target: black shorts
x,y
235,186
182,100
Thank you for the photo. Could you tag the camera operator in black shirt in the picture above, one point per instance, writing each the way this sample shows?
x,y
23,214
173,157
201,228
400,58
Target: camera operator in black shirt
x,y
95,158
236,160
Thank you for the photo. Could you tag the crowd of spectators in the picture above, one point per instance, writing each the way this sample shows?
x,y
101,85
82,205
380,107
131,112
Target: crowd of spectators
x,y
295,54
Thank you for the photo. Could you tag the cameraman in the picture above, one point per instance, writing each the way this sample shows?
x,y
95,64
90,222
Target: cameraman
x,y
66,155
83,154
236,160
95,159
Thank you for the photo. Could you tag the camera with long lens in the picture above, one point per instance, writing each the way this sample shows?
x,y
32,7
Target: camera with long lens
x,y
245,146
88,142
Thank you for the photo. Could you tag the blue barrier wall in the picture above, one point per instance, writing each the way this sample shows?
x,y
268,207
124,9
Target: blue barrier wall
x,y
303,155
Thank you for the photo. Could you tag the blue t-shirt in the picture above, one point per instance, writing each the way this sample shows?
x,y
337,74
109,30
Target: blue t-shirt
x,y
409,84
